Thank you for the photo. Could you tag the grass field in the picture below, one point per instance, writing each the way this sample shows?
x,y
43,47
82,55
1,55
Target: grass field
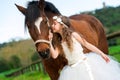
x,y
113,51
27,76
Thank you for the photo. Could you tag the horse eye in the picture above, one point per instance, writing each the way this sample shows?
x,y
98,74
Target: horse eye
x,y
46,22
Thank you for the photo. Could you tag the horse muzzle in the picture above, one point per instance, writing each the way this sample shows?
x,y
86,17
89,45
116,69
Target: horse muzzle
x,y
44,54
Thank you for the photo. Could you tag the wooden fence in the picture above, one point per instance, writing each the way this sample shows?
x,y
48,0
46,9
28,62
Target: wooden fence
x,y
113,35
38,64
113,38
35,66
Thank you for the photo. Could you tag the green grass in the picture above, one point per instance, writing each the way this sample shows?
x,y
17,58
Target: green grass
x,y
35,75
115,52
114,49
2,75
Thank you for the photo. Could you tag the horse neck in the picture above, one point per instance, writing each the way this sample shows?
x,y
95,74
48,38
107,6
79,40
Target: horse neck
x,y
73,24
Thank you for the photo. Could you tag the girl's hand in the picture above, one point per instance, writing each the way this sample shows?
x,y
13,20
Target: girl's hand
x,y
105,57
50,35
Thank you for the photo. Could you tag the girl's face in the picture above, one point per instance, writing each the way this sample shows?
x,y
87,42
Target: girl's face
x,y
56,26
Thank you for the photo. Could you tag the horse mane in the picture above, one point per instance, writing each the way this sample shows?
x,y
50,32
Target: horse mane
x,y
33,10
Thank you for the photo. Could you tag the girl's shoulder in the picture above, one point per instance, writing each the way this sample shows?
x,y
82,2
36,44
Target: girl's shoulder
x,y
75,34
78,37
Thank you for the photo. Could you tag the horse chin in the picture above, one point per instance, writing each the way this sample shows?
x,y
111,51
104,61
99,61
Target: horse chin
x,y
44,55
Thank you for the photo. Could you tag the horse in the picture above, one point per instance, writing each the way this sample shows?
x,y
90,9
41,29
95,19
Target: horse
x,y
38,19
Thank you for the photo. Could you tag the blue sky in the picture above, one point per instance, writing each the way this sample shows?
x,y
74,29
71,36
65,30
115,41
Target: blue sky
x,y
12,21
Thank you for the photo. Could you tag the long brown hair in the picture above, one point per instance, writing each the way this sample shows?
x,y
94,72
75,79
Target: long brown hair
x,y
66,31
67,37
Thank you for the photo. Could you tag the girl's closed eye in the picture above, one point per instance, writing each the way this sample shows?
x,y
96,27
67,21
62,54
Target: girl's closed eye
x,y
54,22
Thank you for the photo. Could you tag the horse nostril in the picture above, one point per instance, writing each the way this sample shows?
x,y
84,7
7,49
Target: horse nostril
x,y
44,54
47,51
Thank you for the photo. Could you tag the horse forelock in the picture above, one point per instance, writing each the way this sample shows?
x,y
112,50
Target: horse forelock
x,y
33,10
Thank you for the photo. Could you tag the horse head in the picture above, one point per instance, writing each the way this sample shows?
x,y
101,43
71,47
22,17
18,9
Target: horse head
x,y
38,23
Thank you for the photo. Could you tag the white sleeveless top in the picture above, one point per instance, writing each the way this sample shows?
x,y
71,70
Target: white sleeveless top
x,y
76,54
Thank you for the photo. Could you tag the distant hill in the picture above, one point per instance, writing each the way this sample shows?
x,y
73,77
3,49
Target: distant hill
x,y
24,49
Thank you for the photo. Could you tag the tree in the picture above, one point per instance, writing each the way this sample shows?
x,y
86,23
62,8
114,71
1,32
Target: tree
x,y
4,65
15,62
35,57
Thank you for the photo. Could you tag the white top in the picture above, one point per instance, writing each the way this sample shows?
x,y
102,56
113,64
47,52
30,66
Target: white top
x,y
76,54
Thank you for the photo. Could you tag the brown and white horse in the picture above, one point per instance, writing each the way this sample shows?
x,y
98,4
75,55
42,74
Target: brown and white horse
x,y
38,18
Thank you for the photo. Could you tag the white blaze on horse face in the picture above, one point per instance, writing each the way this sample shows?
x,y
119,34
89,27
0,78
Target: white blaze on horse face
x,y
37,23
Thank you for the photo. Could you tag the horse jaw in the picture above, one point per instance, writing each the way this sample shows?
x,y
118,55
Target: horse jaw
x,y
21,9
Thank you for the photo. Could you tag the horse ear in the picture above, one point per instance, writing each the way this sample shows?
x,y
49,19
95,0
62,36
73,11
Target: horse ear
x,y
21,9
42,4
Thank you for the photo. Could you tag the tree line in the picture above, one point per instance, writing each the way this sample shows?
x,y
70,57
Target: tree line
x,y
109,16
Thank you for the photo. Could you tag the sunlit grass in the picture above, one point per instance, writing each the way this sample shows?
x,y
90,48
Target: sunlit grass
x,y
35,75
115,51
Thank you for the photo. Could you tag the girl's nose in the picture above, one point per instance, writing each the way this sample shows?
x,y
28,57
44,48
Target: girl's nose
x,y
52,25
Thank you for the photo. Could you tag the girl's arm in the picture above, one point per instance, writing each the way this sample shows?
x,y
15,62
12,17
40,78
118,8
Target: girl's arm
x,y
90,46
54,51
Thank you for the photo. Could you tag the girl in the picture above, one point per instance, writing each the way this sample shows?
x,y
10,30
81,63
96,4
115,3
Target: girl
x,y
93,66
